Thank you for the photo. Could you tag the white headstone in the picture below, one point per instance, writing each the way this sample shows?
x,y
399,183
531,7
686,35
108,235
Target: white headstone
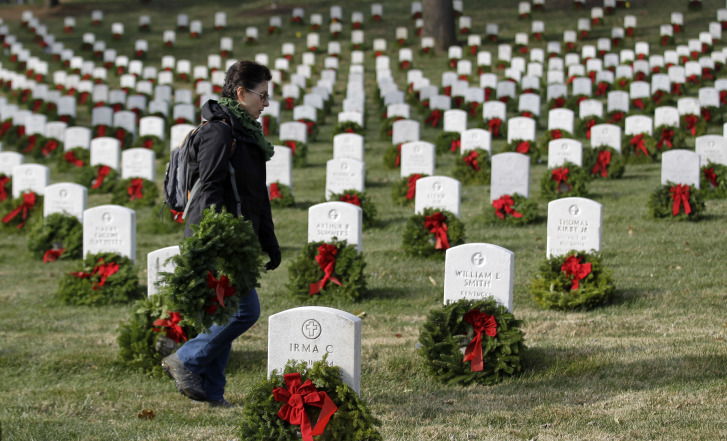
x,y
417,157
308,333
335,219
573,224
560,119
636,124
440,192
30,177
476,139
711,148
109,229
344,174
280,167
137,163
158,261
666,116
564,150
67,198
405,130
76,137
680,167
510,175
348,145
106,151
477,271
8,160
522,128
606,135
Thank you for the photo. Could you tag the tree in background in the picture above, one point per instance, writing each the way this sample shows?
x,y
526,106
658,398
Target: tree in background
x,y
439,23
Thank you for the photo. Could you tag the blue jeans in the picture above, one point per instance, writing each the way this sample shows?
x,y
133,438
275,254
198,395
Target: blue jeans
x,y
206,355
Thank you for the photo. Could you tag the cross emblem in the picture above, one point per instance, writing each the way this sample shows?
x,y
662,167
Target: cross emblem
x,y
311,329
333,215
107,218
478,259
574,210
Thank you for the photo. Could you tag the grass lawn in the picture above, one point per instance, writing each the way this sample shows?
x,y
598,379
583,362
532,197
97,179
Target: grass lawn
x,y
649,366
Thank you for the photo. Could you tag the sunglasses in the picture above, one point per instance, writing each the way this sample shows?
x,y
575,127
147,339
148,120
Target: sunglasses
x,y
263,96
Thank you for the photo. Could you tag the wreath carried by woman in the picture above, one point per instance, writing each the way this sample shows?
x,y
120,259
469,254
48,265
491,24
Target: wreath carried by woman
x,y
713,182
567,180
473,167
327,271
472,341
100,179
58,237
135,193
307,401
103,279
403,191
432,232
359,199
215,266
604,162
525,147
577,279
280,195
512,209
676,202
639,148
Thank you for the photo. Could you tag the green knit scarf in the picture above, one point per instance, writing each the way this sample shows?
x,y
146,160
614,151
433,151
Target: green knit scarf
x,y
250,124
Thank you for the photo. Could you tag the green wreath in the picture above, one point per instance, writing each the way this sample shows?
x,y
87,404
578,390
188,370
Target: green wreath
x,y
552,287
223,255
11,134
392,157
152,142
573,186
668,137
473,167
102,279
583,125
22,213
124,136
352,421
525,207
143,345
550,135
387,126
713,183
89,175
404,190
634,153
299,151
661,204
32,145
447,142
312,127
6,185
496,131
368,208
712,115
283,198
445,336
601,165
135,193
348,269
347,127
697,128
419,241
73,159
525,147
270,125
58,231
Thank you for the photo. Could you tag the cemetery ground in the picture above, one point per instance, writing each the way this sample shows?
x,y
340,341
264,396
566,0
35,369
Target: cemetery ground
x,y
651,365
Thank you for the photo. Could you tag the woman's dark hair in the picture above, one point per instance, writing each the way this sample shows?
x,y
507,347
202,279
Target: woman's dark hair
x,y
245,74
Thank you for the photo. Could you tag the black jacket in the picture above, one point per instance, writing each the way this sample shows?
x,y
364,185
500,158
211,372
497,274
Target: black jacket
x,y
212,153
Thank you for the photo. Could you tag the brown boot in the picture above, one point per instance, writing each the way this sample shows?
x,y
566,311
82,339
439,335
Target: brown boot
x,y
188,383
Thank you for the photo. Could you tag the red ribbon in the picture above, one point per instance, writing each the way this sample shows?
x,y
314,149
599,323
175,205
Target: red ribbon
x,y
676,89
28,203
589,124
455,145
397,162
70,158
573,267
102,269
473,106
617,117
558,102
556,134
120,135
434,118
639,145
295,397
505,203
435,225
480,322
488,93
309,124
177,216
494,126
680,195
604,158
666,138
148,143
291,145
31,144
103,171
691,121
275,191
3,190
135,188
602,89
49,147
266,125
639,104
528,114
326,259
289,103
52,255
523,147
351,199
173,330
412,185
709,174
471,160
5,127
706,114
222,288
560,176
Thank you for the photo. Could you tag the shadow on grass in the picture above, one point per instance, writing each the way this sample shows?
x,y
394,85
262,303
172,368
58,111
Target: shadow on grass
x,y
246,360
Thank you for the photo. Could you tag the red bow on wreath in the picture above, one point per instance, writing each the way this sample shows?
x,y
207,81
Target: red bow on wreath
x,y
455,145
310,125
49,147
691,121
31,144
556,134
666,138
3,190
222,289
680,195
173,330
103,171
473,106
435,225
397,162
706,114
295,396
289,103
291,145
52,255
505,203
589,124
102,269
617,117
576,270
412,186
275,192
326,259
709,174
639,145
523,147
639,104
480,322
604,158
135,188
351,199
433,118
602,88
494,126
560,176
28,203
471,160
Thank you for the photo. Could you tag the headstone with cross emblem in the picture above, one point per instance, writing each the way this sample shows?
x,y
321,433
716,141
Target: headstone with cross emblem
x,y
711,148
573,224
106,151
606,135
109,229
476,139
341,220
510,175
8,160
66,198
417,157
159,261
344,174
348,145
476,271
30,177
137,163
564,150
310,332
440,192
680,167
